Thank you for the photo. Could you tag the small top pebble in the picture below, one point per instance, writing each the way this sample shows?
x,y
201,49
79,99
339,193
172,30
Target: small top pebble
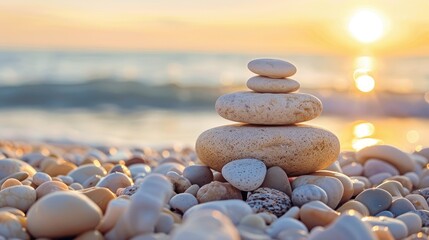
x,y
272,68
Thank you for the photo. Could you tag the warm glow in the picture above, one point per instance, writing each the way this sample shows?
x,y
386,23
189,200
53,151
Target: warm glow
x,y
413,136
363,130
365,83
366,26
359,144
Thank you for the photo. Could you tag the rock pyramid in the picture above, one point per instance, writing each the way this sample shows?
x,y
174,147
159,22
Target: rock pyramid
x,y
270,124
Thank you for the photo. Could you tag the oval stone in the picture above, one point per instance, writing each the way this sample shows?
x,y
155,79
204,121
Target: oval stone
x,y
297,149
400,160
272,68
375,199
10,166
268,108
245,174
269,85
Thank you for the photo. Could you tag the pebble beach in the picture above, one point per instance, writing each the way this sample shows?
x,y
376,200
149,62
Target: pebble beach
x,y
269,175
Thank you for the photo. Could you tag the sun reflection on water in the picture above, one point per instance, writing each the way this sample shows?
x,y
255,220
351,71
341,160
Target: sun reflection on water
x,y
362,132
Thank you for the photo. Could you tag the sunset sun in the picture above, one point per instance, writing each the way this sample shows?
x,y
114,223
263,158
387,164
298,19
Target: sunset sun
x,y
366,26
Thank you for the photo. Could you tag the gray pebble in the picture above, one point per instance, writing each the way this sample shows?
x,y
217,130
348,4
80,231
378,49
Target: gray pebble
x,y
400,206
269,200
198,174
307,193
375,199
183,201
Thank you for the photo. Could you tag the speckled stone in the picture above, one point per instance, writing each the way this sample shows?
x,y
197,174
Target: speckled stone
x,y
272,68
268,108
129,191
392,155
269,200
198,174
376,200
215,191
307,193
297,149
20,197
277,178
268,85
245,174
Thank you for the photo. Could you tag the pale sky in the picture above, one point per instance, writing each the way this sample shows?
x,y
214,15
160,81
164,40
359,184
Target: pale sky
x,y
217,26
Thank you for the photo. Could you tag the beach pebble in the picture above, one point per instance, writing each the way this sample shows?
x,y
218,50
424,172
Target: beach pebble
x,y
267,85
382,233
144,208
268,108
331,185
379,178
169,166
245,174
392,155
417,236
84,172
100,196
20,197
276,178
64,214
115,180
272,68
198,174
20,176
424,216
316,213
56,167
395,188
206,223
413,177
179,182
396,227
423,192
139,169
412,221
10,166
376,200
345,180
307,193
385,213
76,186
217,176
236,210
253,221
9,183
183,201
113,213
128,191
268,217
296,149
11,227
293,212
92,181
193,189
165,223
269,200
400,206
90,235
418,201
404,181
120,168
50,187
215,191
347,226
334,167
358,187
375,166
354,205
41,177
353,169
65,179
285,224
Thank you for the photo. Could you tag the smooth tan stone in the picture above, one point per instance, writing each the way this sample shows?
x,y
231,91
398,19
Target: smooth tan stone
x,y
363,179
285,224
215,191
344,179
100,196
58,167
298,150
50,187
334,167
396,227
293,212
382,233
10,166
331,185
272,68
90,235
269,85
64,214
10,182
41,177
115,180
82,173
316,213
354,205
405,182
268,108
20,176
113,213
353,169
358,187
21,197
392,155
375,166
277,178
395,188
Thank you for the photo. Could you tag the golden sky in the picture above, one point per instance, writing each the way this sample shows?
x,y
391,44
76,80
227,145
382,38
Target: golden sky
x,y
217,26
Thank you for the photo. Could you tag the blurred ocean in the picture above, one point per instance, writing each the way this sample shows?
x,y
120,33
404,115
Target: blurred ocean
x,y
160,98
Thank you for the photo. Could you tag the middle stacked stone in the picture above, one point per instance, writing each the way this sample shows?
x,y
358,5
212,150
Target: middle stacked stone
x,y
297,148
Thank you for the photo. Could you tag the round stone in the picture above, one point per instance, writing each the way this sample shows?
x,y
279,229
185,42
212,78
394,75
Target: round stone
x,y
375,199
277,178
10,166
198,174
307,193
316,213
269,85
84,172
269,200
272,68
215,191
183,201
115,180
21,197
62,214
245,174
297,149
268,108
413,222
400,160
375,166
